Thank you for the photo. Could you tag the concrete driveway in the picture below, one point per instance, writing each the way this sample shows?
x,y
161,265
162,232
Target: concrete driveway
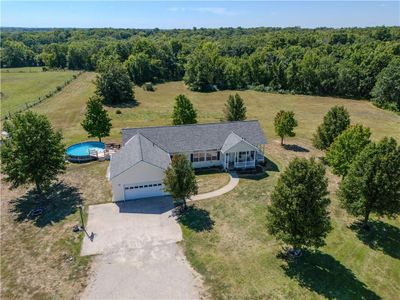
x,y
138,253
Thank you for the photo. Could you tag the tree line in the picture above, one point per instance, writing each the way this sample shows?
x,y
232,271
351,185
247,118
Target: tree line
x,y
353,63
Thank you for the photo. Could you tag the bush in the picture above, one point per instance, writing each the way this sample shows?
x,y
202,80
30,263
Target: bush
x,y
148,86
118,112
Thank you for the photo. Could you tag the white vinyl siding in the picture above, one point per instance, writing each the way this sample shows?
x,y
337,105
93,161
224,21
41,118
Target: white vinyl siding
x,y
142,173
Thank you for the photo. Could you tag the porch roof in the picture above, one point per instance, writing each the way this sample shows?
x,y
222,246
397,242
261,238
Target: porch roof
x,y
232,140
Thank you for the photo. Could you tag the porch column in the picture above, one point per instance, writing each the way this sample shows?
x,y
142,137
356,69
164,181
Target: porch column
x,y
225,161
235,163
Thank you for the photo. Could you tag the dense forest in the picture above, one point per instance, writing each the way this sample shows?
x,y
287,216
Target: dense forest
x,y
361,63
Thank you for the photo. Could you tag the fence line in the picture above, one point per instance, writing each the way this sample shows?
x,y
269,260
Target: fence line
x,y
50,94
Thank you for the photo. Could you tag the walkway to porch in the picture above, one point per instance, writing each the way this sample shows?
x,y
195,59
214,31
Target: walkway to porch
x,y
233,182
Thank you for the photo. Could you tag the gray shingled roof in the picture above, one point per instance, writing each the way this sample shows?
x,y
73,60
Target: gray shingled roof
x,y
138,148
197,137
232,140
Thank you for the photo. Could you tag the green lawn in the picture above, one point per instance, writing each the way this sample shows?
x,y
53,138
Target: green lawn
x,y
232,250
20,86
208,180
240,260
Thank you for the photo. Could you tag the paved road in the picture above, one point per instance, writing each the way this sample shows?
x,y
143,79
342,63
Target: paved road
x,y
139,256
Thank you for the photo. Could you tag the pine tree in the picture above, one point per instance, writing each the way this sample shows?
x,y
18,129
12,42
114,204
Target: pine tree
x,y
235,110
184,112
97,123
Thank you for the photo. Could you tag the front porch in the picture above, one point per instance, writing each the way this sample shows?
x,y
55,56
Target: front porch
x,y
240,160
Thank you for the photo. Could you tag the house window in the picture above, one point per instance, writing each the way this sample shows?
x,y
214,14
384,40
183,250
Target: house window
x,y
212,155
198,156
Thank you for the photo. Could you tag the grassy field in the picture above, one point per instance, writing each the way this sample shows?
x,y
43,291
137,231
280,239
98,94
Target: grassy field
x,y
66,110
22,70
233,251
25,85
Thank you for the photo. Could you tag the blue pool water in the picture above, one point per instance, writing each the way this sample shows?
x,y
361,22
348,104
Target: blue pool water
x,y
82,149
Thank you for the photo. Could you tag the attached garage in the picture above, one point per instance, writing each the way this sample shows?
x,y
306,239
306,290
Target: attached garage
x,y
137,170
143,190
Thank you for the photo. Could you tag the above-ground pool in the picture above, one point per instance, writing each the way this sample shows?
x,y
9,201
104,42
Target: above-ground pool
x,y
85,151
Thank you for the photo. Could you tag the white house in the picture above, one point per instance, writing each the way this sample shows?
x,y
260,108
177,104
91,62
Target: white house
x,y
137,170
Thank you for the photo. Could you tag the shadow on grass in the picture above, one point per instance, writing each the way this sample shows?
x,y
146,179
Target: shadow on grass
x,y
56,204
196,219
381,236
130,104
253,176
295,148
207,171
271,166
323,274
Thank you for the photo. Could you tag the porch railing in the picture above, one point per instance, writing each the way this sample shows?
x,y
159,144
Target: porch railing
x,y
245,164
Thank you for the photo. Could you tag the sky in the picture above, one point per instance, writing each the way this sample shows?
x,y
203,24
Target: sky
x,y
189,14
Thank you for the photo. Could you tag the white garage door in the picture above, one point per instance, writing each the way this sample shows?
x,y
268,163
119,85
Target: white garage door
x,y
143,190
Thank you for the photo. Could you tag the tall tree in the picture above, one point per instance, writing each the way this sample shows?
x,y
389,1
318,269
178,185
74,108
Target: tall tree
x,y
78,56
97,123
113,83
184,112
142,68
298,212
180,180
346,147
235,110
335,122
284,123
372,184
16,54
203,68
33,152
55,55
387,88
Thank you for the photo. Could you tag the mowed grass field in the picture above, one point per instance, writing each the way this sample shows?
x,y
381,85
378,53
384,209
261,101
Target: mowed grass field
x,y
25,85
233,251
66,110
